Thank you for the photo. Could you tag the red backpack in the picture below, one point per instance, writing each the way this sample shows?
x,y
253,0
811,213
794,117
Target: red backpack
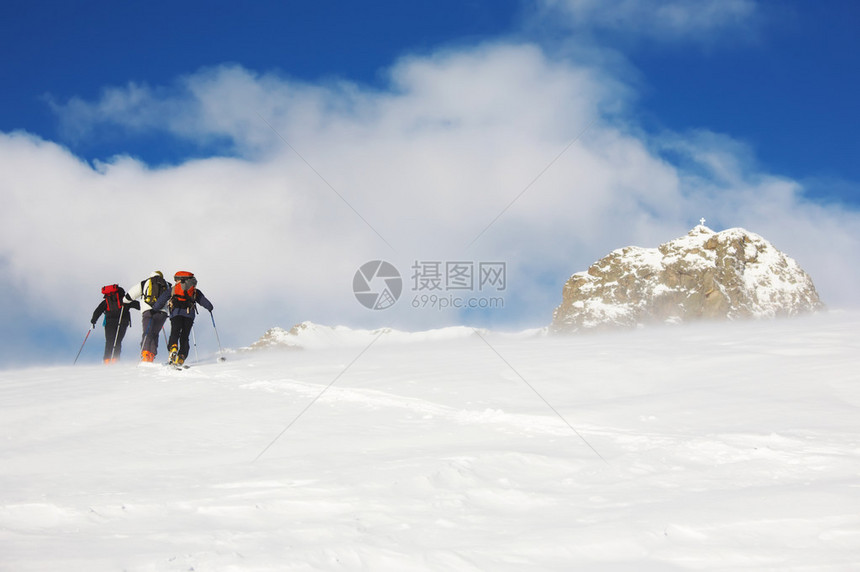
x,y
112,294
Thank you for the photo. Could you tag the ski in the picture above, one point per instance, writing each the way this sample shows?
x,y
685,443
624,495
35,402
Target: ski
x,y
180,367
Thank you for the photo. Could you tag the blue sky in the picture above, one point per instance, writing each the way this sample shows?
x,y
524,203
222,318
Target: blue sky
x,y
787,84
790,92
427,119
63,51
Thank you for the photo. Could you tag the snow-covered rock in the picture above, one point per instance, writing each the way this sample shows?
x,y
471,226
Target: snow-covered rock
x,y
705,274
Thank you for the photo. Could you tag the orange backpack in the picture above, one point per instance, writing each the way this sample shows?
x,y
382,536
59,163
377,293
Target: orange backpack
x,y
184,291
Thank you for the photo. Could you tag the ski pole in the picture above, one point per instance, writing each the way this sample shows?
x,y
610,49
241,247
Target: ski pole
x,y
194,339
217,337
116,337
82,345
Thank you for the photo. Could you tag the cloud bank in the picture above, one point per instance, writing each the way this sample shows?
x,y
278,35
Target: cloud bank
x,y
317,179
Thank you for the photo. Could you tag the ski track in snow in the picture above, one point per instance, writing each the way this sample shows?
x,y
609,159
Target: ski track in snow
x,y
374,399
732,448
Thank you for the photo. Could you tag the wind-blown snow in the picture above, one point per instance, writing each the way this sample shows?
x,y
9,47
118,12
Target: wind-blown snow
x,y
309,335
731,446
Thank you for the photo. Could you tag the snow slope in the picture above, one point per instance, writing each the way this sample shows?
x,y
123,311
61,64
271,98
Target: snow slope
x,y
731,446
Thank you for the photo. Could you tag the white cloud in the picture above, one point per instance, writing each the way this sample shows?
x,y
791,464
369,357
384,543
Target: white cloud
x,y
697,21
428,163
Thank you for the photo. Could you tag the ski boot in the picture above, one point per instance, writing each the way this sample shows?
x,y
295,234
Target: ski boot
x,y
174,355
147,356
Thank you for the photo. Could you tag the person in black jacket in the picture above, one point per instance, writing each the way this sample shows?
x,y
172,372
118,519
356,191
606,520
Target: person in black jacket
x,y
181,303
117,319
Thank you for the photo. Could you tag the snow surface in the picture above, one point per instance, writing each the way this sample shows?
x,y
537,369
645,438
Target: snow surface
x,y
730,446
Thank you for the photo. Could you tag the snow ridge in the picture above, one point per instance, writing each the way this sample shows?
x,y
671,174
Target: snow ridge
x,y
308,335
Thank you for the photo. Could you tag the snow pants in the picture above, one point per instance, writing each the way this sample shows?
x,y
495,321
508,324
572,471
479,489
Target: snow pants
x,y
152,324
180,329
114,331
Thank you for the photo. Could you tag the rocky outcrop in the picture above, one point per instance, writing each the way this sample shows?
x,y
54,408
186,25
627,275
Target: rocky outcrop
x,y
718,275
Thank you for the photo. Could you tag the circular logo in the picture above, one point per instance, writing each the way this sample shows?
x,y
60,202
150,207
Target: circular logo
x,y
377,285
